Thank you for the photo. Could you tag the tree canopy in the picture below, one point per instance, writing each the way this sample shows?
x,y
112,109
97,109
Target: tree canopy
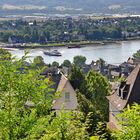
x,y
136,55
38,61
130,124
76,77
66,63
26,102
79,60
97,88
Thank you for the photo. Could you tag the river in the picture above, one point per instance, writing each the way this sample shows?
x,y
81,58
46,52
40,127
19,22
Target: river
x,y
111,53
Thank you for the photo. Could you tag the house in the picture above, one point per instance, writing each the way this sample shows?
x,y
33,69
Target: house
x,y
113,71
126,67
67,99
86,68
115,74
130,61
127,93
133,61
95,66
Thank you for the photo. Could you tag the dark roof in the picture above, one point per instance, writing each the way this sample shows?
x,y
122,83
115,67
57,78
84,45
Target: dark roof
x,y
110,66
52,70
54,76
128,91
86,68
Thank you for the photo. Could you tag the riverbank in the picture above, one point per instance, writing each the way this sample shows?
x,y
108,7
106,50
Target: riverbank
x,y
65,44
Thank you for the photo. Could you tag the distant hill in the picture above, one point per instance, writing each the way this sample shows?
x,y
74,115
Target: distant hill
x,y
108,6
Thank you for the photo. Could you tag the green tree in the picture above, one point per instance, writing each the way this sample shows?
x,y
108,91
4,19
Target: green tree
x,y
38,61
92,118
66,126
42,39
66,63
55,64
130,122
35,36
4,55
23,106
102,131
76,77
101,62
27,38
79,60
6,36
136,55
96,90
84,105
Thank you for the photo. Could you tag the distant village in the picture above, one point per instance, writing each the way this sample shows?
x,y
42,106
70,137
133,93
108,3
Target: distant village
x,y
69,29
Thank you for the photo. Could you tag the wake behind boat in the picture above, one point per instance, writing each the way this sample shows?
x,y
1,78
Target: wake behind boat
x,y
52,53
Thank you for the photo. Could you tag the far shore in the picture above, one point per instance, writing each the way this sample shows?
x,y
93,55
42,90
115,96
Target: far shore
x,y
64,44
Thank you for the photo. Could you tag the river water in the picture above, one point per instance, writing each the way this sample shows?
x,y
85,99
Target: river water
x,y
111,53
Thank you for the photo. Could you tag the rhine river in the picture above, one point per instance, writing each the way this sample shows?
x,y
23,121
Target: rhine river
x,y
111,53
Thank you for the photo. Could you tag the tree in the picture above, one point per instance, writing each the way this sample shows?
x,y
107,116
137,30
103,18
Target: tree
x,y
35,36
76,77
42,39
92,119
130,122
101,62
4,55
55,64
102,132
66,126
38,61
66,63
84,105
25,100
137,55
6,36
79,60
96,90
27,38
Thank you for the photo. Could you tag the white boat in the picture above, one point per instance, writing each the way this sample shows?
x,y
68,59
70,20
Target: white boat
x,y
52,53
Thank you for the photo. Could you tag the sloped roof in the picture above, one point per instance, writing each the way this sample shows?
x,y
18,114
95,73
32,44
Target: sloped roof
x,y
62,83
133,95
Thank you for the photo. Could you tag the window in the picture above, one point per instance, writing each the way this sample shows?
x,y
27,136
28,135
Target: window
x,y
67,96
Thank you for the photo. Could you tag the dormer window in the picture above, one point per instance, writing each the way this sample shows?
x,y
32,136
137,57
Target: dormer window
x,y
123,90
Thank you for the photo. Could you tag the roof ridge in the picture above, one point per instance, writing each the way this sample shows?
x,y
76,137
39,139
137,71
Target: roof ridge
x,y
61,85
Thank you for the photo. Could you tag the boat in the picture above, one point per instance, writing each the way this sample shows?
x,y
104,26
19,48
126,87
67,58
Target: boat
x,y
52,53
76,46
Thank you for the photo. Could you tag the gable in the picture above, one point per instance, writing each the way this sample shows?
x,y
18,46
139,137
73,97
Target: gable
x,y
66,89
